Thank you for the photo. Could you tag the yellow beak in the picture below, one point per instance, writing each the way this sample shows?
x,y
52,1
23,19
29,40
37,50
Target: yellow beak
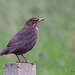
x,y
41,19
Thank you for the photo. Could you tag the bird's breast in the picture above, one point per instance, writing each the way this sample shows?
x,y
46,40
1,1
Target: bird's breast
x,y
36,31
36,28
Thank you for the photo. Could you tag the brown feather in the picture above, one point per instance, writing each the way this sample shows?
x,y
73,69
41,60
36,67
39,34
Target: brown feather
x,y
24,40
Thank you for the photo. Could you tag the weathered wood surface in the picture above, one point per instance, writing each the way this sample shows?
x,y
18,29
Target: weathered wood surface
x,y
19,69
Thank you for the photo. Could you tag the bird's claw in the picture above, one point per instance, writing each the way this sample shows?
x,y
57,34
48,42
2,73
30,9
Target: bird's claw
x,y
29,62
26,62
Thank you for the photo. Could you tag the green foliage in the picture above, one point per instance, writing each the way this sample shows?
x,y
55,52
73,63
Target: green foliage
x,y
54,50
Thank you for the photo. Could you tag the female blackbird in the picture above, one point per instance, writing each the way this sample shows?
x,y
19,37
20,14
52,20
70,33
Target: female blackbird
x,y
24,40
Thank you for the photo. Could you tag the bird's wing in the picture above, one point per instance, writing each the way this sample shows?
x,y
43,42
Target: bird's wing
x,y
22,38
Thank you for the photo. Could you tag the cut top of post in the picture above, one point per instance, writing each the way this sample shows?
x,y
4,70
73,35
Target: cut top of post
x,y
19,69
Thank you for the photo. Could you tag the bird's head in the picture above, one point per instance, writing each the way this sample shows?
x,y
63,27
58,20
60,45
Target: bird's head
x,y
34,21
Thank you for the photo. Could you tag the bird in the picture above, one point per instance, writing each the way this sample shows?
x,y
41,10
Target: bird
x,y
24,40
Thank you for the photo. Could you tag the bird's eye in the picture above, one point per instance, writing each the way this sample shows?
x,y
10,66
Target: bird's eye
x,y
33,20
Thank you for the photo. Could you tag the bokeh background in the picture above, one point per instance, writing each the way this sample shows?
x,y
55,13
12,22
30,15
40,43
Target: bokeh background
x,y
54,53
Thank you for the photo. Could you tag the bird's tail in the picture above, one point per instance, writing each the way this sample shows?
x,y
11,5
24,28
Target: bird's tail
x,y
4,51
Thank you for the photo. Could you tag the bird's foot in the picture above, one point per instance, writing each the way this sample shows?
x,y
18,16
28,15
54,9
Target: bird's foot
x,y
29,62
18,62
26,62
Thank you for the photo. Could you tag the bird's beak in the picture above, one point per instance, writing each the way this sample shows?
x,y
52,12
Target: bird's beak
x,y
41,19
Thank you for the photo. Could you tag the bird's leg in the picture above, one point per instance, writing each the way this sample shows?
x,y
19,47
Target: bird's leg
x,y
19,59
26,59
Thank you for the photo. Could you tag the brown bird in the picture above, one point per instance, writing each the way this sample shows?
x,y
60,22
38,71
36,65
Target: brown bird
x,y
24,40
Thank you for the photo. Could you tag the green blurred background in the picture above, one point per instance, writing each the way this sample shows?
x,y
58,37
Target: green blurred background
x,y
54,53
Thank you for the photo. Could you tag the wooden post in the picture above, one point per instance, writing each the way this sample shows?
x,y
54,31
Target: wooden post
x,y
19,69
